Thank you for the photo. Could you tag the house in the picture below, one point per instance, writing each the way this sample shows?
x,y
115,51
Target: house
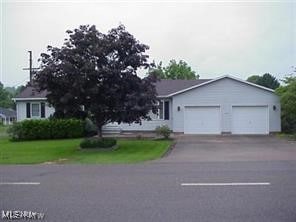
x,y
7,116
205,106
32,104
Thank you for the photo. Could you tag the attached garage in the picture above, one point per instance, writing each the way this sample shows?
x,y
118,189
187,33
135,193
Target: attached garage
x,y
226,105
250,120
202,120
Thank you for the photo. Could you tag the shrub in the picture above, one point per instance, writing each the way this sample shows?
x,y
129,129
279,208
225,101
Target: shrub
x,y
90,129
98,143
46,129
163,131
287,94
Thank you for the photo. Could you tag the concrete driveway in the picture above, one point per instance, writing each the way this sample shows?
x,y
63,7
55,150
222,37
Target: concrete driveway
x,y
193,148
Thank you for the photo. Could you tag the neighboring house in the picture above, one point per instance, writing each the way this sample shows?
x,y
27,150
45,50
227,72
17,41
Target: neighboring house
x,y
7,116
222,105
31,104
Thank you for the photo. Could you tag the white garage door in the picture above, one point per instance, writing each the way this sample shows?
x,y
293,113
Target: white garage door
x,y
202,120
249,120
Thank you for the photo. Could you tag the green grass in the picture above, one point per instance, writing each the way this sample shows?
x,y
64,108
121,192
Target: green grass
x,y
289,136
3,130
67,151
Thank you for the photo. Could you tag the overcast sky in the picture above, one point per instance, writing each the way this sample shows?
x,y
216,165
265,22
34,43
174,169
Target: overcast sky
x,y
215,38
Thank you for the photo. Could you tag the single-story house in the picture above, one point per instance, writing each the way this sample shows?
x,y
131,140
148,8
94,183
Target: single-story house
x,y
205,106
7,116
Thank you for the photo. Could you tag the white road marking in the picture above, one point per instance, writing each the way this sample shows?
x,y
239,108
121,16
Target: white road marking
x,y
19,183
226,184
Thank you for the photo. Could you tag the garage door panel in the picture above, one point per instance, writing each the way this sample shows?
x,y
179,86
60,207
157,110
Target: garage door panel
x,y
249,120
202,120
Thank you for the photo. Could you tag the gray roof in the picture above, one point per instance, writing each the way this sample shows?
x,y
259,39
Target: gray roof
x,y
7,112
31,92
168,86
164,87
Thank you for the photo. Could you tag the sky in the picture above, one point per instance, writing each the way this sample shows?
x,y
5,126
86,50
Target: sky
x,y
239,38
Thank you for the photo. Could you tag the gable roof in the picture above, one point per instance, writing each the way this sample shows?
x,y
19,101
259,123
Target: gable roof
x,y
164,87
7,112
30,92
219,78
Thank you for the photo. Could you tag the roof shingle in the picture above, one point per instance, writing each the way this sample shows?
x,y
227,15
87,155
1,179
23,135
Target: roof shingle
x,y
164,87
7,112
168,86
31,92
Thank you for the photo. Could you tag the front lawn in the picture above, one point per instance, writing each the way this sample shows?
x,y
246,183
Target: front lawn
x,y
3,130
67,151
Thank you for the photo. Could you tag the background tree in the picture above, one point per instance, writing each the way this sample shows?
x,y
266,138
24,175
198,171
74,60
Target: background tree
x,y
174,70
157,70
95,73
5,98
14,90
253,78
287,95
266,80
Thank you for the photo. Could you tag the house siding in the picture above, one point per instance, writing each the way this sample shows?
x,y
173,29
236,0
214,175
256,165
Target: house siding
x,y
226,93
145,124
21,109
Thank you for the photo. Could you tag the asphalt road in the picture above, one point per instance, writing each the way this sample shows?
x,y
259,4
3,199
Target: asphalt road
x,y
153,191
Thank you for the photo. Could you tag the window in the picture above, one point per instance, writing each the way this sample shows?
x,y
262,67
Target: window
x,y
42,110
160,110
35,110
164,110
28,110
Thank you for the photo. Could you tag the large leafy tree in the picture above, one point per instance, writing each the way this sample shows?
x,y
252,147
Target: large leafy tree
x,y
95,74
174,70
287,94
5,97
266,80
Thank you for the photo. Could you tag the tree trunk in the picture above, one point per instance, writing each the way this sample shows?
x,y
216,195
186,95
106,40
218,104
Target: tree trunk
x,y
100,134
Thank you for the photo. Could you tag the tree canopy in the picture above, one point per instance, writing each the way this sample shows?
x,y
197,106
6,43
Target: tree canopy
x,y
287,95
95,74
14,90
253,78
5,97
266,80
174,70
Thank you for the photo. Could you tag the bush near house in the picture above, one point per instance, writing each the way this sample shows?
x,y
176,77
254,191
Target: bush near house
x,y
90,129
46,129
163,131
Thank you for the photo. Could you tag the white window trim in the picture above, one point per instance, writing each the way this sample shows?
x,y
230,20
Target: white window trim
x,y
158,111
157,117
35,117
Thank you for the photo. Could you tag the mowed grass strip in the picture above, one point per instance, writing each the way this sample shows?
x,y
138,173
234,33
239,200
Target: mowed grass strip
x,y
3,133
68,151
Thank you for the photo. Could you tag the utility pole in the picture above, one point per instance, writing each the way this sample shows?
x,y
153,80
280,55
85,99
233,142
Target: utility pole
x,y
31,69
